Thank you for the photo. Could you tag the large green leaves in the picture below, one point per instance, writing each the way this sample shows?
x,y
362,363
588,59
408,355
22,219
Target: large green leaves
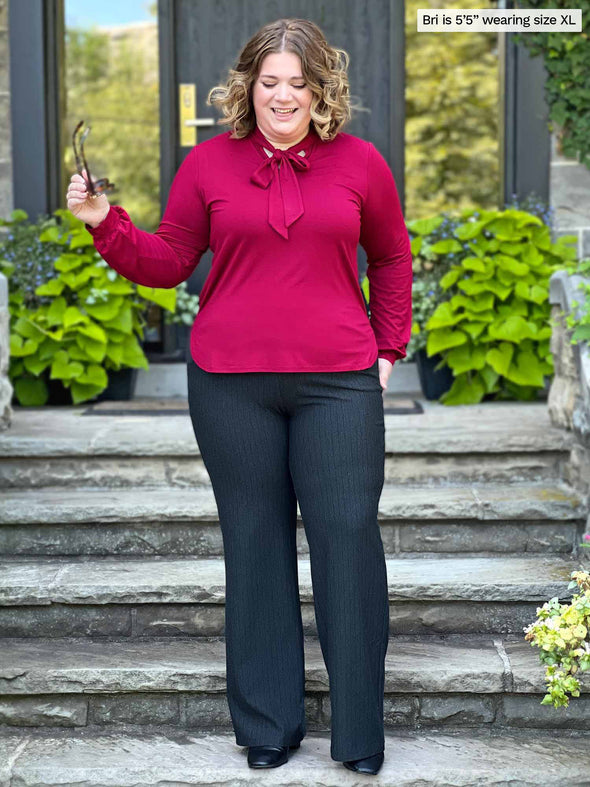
x,y
90,321
444,339
493,330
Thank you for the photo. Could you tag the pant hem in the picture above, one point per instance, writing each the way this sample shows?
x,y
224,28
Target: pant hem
x,y
357,756
270,743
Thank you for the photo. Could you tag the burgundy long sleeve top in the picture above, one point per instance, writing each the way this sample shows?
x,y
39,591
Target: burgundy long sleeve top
x,y
282,293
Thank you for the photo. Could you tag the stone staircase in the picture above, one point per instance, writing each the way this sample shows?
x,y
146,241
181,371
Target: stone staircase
x,y
112,657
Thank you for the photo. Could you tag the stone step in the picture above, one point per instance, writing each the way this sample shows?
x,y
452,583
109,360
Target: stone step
x,y
167,382
137,597
502,441
459,681
163,758
474,518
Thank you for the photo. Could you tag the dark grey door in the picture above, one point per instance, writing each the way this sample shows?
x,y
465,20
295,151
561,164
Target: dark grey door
x,y
200,40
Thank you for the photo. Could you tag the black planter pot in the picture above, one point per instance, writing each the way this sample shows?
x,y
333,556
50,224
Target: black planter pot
x,y
183,333
121,387
433,383
59,395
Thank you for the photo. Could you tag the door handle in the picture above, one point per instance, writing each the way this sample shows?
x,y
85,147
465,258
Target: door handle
x,y
199,122
187,114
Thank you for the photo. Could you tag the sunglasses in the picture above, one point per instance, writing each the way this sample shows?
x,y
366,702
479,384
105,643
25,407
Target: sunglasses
x,y
101,186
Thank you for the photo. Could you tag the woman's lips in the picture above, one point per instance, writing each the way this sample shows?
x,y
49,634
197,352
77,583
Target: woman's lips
x,y
283,114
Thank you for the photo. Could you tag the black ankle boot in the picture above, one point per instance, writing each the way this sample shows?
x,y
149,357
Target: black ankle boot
x,y
366,764
269,756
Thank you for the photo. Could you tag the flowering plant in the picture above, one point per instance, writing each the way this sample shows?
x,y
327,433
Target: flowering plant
x,y
26,258
187,306
561,631
532,203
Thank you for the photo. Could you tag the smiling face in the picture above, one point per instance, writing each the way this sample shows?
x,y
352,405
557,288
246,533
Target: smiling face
x,y
280,85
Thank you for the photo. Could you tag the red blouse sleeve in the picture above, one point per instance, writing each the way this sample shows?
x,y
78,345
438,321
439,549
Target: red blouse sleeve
x,y
385,239
168,256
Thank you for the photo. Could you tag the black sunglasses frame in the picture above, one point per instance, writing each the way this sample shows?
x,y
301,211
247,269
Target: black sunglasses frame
x,y
102,185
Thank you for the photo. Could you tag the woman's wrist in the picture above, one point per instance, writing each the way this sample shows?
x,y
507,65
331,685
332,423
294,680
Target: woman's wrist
x,y
106,225
93,225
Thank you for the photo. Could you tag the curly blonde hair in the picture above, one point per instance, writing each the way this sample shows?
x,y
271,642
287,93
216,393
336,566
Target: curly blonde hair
x,y
324,69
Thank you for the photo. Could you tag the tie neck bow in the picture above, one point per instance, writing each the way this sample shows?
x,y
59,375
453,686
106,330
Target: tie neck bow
x,y
285,203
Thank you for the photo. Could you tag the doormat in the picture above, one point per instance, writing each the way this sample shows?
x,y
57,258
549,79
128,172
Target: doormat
x,y
401,405
392,405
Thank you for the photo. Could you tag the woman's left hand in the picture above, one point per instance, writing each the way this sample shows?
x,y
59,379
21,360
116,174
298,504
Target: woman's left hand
x,y
385,368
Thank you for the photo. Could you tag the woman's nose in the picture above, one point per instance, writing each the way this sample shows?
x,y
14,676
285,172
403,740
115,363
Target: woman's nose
x,y
283,93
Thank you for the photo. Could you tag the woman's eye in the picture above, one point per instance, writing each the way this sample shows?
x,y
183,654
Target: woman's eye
x,y
299,87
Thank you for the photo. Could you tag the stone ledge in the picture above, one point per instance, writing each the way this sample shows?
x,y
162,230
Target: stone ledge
x,y
73,665
418,664
563,290
569,396
42,582
484,501
527,758
489,427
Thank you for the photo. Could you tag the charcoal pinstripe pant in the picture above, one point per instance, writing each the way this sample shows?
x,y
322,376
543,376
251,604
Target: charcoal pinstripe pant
x,y
268,440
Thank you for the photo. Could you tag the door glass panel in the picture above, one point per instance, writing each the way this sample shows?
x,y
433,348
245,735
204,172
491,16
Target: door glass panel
x,y
452,116
111,81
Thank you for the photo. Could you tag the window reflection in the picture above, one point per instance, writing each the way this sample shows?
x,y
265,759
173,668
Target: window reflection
x,y
452,116
111,81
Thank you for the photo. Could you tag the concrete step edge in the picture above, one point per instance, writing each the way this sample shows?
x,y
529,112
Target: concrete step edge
x,y
398,444
539,758
418,665
105,580
481,500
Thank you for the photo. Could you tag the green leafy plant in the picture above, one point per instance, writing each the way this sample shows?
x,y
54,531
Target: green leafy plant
x,y
567,62
578,320
84,318
187,306
494,330
561,633
533,203
29,260
432,256
434,250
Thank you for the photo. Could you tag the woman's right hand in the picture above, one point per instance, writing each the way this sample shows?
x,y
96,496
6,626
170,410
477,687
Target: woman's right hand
x,y
91,210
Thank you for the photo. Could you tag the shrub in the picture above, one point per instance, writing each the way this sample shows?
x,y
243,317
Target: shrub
x,y
71,315
494,329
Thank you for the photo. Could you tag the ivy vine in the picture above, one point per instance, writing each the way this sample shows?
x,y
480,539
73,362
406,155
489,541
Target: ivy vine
x,y
567,89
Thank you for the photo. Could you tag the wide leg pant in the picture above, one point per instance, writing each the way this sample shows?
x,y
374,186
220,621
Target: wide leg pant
x,y
268,440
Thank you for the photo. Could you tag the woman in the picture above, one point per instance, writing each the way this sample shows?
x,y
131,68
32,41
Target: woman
x,y
286,374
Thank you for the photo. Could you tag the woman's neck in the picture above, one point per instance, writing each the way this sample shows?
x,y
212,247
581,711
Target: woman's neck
x,y
284,145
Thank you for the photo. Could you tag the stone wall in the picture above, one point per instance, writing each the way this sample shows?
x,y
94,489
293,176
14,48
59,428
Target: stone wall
x,y
570,197
569,395
6,206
